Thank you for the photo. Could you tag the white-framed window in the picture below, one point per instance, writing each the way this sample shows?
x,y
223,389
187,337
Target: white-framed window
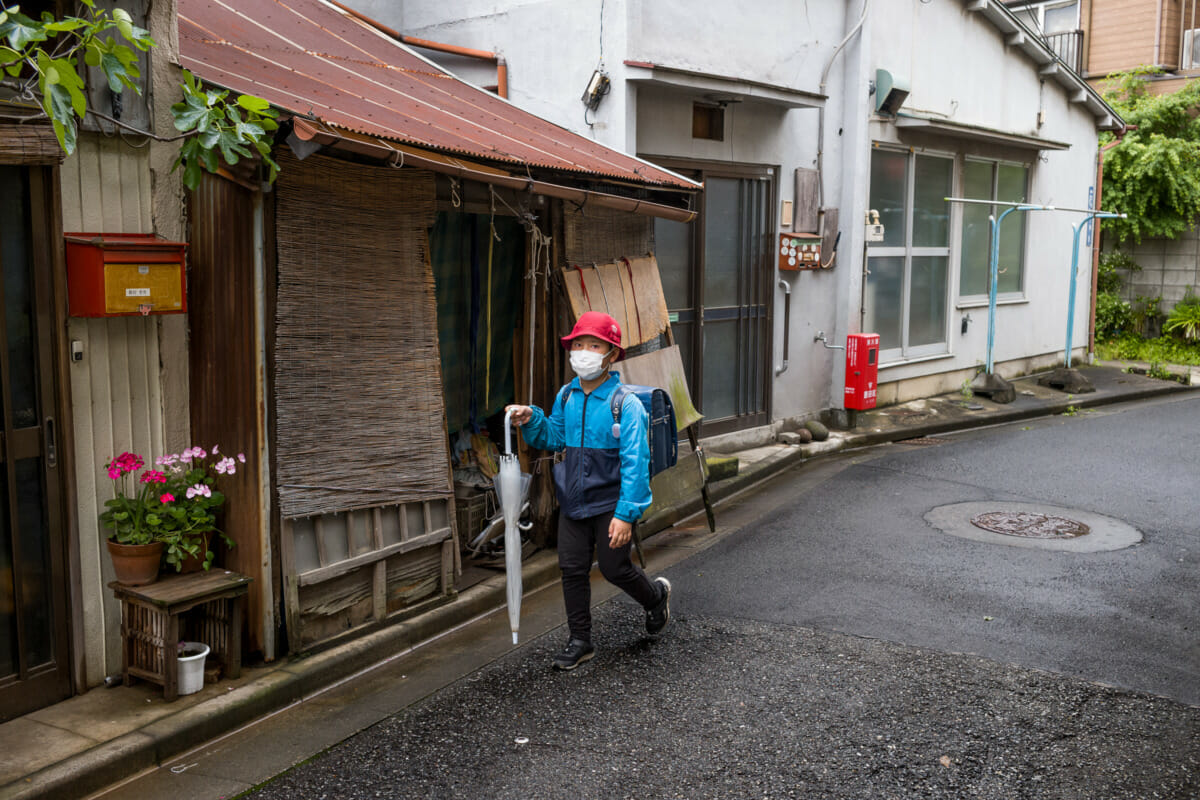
x,y
906,296
1050,17
998,181
1190,57
1189,53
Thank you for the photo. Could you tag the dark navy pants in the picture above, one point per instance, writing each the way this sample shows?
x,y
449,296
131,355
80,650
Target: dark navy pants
x,y
578,540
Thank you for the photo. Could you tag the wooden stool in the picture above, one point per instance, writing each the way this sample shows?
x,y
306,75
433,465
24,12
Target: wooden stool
x,y
152,624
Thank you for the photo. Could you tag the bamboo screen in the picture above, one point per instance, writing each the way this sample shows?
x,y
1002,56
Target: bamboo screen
x,y
602,234
29,144
358,387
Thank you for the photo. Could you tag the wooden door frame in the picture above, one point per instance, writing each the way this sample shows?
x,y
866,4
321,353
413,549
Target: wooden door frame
x,y
48,289
737,171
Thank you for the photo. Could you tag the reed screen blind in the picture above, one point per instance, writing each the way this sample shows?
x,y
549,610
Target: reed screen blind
x,y
29,144
358,389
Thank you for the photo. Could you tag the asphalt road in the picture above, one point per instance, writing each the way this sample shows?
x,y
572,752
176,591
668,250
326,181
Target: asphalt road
x,y
841,647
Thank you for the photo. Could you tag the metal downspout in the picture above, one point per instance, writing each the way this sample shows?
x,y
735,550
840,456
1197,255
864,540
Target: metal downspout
x,y
821,117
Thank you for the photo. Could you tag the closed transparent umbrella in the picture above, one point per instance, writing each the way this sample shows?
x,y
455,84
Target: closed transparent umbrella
x,y
512,486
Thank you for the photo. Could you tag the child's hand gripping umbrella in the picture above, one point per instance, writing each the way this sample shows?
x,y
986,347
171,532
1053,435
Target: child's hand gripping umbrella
x,y
511,487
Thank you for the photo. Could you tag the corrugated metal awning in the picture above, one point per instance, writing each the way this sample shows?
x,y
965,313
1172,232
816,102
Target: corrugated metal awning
x,y
316,61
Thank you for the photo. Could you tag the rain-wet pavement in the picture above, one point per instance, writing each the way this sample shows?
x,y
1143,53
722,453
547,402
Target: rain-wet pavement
x,y
841,647
725,708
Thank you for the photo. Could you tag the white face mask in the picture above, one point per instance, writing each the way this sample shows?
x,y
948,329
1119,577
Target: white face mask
x,y
587,365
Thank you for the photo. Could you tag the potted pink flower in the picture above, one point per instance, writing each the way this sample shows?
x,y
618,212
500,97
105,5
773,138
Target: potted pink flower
x,y
171,510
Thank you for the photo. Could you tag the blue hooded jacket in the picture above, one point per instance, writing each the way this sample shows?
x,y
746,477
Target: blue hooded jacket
x,y
601,472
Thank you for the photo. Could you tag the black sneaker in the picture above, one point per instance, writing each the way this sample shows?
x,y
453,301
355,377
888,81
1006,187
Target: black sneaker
x,y
658,616
576,652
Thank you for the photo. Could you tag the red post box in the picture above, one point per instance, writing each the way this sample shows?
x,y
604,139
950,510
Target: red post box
x,y
122,274
862,370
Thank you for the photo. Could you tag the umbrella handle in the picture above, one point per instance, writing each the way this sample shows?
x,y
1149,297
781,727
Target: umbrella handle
x,y
508,432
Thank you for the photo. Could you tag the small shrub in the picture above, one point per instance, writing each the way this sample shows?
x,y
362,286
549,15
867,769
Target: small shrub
x,y
1112,263
1147,316
1114,316
1184,320
1163,350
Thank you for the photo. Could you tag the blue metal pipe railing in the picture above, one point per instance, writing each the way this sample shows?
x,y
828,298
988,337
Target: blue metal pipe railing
x,y
1075,274
994,259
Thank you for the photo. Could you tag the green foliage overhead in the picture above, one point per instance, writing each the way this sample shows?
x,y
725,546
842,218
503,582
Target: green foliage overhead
x,y
40,62
1153,173
221,128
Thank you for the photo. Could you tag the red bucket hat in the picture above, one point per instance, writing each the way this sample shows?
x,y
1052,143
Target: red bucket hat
x,y
600,325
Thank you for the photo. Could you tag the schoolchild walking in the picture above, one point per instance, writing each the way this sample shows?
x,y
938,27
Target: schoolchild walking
x,y
602,483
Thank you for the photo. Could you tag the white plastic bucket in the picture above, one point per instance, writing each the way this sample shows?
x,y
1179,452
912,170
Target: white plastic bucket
x,y
191,668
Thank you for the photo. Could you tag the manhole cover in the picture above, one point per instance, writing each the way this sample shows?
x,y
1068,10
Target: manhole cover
x,y
1030,525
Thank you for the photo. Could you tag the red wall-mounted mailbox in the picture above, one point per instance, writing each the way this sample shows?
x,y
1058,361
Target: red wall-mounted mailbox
x,y
124,274
862,370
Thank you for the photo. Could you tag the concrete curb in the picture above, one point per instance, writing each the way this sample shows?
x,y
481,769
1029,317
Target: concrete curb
x,y
294,680
1014,415
302,676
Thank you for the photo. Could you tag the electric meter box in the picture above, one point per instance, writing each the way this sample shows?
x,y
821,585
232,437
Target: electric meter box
x,y
799,251
124,274
862,370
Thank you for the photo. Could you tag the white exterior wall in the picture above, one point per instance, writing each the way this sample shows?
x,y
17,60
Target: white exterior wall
x,y
1001,90
957,64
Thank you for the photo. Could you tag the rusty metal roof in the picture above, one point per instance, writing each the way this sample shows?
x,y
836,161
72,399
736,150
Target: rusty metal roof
x,y
314,60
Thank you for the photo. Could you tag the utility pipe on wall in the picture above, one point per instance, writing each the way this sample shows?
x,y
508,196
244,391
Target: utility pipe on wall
x,y
1158,20
821,117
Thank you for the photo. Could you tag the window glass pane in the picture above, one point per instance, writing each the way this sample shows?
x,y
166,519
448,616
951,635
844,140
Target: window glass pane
x,y
722,223
34,572
1060,19
927,301
684,333
15,258
8,598
1012,181
931,212
881,301
673,249
889,180
976,230
720,370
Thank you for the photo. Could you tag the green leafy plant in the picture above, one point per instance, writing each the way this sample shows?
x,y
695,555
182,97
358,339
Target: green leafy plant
x,y
1071,411
1114,316
1184,320
220,127
1146,314
1152,173
1113,263
1164,350
41,62
1157,370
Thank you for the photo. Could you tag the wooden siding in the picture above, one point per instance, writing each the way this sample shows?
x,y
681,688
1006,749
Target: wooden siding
x,y
223,343
115,390
1121,35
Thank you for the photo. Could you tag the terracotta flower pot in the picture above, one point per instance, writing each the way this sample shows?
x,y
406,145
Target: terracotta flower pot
x,y
135,564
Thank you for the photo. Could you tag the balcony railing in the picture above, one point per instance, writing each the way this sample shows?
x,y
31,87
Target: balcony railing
x,y
1068,46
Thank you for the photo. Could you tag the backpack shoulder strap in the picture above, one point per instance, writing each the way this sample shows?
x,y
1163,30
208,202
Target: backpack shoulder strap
x,y
617,399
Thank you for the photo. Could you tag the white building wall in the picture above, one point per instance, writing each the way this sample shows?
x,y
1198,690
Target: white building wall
x,y
1002,90
958,66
